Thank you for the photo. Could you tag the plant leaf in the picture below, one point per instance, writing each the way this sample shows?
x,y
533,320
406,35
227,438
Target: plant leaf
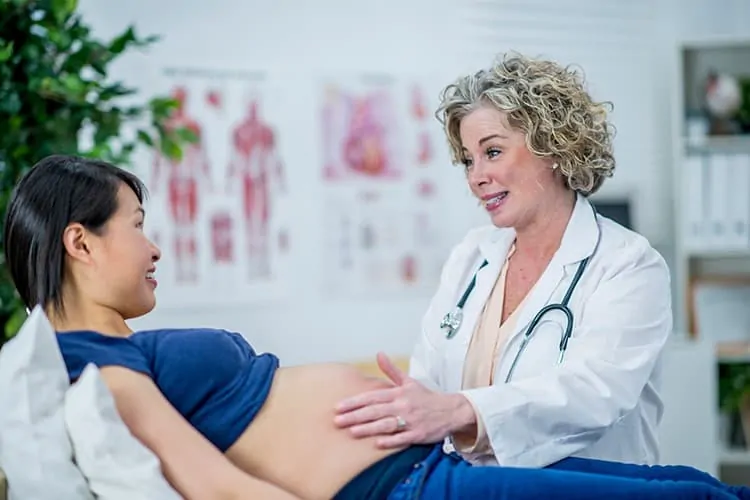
x,y
6,52
120,43
14,322
187,135
62,9
145,138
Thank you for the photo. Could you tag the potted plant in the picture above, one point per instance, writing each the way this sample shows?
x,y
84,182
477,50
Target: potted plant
x,y
734,397
55,83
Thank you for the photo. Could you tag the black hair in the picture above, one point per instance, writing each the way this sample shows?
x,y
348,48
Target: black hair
x,y
58,191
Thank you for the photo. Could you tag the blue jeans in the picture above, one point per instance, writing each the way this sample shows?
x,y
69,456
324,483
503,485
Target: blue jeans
x,y
448,477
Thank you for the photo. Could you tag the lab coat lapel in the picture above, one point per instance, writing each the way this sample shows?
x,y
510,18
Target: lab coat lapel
x,y
578,242
494,248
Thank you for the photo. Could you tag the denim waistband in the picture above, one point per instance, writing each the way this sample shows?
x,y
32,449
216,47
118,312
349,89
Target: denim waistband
x,y
377,481
410,488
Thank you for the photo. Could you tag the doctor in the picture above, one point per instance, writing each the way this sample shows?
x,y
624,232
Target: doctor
x,y
497,385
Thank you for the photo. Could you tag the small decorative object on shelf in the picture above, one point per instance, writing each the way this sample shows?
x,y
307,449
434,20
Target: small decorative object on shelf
x,y
723,97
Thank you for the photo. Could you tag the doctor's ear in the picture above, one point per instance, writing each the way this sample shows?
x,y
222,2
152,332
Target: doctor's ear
x,y
76,242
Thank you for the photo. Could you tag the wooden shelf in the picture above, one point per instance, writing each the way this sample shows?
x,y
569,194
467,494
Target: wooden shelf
x,y
733,352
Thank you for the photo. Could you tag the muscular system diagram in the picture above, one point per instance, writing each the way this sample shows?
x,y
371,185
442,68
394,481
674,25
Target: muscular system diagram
x,y
185,180
256,167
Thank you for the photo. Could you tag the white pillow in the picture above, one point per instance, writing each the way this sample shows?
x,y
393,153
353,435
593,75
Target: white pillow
x,y
36,454
117,465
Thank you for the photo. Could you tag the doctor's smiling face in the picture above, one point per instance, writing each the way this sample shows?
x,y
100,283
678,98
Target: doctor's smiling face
x,y
510,181
529,136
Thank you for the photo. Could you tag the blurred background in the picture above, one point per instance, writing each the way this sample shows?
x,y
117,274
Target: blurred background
x,y
314,202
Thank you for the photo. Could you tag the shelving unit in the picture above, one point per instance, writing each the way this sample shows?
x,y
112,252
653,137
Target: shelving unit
x,y
694,259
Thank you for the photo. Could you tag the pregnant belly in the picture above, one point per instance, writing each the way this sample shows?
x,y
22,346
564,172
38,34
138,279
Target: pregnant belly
x,y
293,442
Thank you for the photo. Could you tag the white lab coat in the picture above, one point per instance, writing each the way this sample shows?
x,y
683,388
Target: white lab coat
x,y
603,401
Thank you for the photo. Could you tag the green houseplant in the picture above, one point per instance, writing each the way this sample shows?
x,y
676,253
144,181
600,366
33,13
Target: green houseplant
x,y
734,395
55,83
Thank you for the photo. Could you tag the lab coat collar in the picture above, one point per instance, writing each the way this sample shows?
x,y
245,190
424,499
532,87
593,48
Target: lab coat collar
x,y
582,234
579,240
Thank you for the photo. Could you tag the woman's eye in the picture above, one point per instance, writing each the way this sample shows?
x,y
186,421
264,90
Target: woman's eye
x,y
466,163
493,152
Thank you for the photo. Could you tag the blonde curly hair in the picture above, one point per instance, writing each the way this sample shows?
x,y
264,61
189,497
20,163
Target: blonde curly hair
x,y
549,104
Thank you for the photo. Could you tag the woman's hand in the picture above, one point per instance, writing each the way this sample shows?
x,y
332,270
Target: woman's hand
x,y
407,413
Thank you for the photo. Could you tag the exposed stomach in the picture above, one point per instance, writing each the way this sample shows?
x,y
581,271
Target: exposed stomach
x,y
293,442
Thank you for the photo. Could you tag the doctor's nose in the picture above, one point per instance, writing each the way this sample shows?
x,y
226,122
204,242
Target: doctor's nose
x,y
477,175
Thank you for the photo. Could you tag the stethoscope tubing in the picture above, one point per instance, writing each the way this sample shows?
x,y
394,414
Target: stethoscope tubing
x,y
561,306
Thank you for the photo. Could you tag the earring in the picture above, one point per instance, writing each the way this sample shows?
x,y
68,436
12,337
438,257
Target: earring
x,y
554,166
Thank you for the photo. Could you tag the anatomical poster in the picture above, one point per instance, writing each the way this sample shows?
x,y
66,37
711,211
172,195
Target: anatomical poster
x,y
381,195
218,213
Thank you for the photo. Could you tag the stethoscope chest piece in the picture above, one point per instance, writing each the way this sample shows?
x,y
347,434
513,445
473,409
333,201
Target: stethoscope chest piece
x,y
452,322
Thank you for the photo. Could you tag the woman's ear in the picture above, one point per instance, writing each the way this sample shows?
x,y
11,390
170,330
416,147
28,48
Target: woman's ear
x,y
75,242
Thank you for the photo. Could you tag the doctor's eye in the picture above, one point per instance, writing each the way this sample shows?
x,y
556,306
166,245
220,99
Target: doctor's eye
x,y
493,152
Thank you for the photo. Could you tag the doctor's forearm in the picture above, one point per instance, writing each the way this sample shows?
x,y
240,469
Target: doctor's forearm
x,y
464,420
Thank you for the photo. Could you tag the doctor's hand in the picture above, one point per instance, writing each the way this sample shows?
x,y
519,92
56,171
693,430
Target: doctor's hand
x,y
407,413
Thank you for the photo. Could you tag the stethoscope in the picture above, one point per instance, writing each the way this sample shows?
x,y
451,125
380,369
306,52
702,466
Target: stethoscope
x,y
452,321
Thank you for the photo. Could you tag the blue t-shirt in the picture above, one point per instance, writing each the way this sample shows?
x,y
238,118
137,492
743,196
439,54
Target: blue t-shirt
x,y
214,378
